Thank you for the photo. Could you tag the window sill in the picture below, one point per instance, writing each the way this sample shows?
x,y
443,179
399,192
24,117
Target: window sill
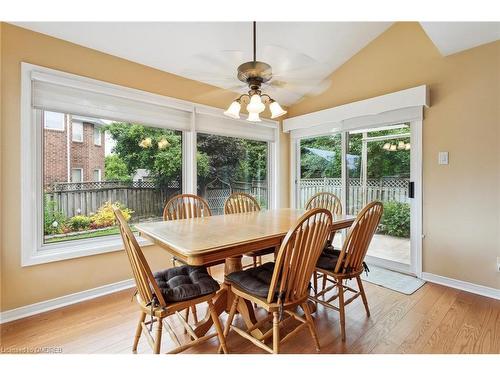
x,y
77,249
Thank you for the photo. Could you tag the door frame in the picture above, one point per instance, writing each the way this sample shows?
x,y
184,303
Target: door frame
x,y
415,267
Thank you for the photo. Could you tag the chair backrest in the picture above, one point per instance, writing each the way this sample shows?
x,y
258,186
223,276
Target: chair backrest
x,y
238,203
297,256
325,200
144,279
358,238
186,206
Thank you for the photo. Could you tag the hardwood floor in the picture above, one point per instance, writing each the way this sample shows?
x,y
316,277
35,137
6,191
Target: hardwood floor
x,y
435,319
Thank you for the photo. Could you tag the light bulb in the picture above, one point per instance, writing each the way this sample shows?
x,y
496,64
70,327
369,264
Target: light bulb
x,y
233,110
254,117
393,148
386,146
401,145
407,147
276,110
255,105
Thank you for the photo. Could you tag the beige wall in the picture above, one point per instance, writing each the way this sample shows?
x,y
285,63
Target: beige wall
x,y
21,286
461,209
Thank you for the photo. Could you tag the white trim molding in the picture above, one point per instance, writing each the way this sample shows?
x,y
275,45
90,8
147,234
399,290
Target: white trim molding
x,y
466,286
70,299
385,109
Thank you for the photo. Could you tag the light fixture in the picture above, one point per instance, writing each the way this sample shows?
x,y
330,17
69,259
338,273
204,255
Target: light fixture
x,y
386,146
393,148
234,109
254,74
255,105
401,145
407,146
254,117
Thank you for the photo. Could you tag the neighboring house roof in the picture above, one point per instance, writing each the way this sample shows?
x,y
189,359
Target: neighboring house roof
x,y
90,120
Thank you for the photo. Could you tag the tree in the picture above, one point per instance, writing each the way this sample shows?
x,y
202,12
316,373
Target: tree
x,y
115,169
157,150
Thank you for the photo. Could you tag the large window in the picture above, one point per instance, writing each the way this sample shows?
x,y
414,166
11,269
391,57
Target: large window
x,y
138,168
226,165
129,148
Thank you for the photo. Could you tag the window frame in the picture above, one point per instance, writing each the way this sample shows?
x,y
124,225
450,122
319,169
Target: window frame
x,y
81,174
73,123
98,170
33,250
62,130
94,130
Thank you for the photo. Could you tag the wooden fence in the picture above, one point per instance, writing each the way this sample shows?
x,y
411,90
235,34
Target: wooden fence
x,y
385,189
144,198
85,198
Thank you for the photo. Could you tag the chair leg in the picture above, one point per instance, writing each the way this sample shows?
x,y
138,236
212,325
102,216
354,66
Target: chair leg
x,y
218,328
138,332
195,314
158,336
363,295
323,286
341,308
230,318
186,318
310,324
276,332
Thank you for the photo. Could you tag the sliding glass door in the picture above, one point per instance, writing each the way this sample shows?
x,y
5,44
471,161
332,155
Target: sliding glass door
x,y
381,171
361,166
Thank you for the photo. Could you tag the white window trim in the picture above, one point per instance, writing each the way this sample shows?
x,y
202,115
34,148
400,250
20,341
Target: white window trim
x,y
81,174
95,128
33,251
54,129
100,174
73,139
395,108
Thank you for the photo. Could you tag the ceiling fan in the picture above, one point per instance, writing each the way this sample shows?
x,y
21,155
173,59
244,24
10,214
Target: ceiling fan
x,y
295,78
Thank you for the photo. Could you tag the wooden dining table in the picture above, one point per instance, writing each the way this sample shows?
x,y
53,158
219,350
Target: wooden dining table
x,y
207,240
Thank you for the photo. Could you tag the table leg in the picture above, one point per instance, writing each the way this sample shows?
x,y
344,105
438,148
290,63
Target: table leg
x,y
224,299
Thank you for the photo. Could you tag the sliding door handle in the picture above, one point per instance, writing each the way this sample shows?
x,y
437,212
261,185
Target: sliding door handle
x,y
411,189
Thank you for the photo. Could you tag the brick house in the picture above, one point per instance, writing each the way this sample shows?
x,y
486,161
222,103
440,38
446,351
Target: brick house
x,y
74,148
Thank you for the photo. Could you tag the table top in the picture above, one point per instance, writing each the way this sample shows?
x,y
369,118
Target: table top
x,y
194,237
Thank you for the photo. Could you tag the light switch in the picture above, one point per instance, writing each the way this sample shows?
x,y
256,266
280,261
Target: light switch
x,y
443,157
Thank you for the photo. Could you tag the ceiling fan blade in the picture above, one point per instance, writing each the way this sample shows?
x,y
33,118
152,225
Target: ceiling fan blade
x,y
313,87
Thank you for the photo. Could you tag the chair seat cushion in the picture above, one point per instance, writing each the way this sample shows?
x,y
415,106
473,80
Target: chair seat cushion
x,y
328,258
255,281
185,282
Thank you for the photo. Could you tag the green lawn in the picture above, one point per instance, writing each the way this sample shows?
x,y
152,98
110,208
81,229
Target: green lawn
x,y
83,235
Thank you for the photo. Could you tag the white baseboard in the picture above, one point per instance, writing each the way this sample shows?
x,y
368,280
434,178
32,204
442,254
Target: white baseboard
x,y
462,285
40,307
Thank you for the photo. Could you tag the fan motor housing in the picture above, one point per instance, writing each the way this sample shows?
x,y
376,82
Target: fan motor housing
x,y
255,73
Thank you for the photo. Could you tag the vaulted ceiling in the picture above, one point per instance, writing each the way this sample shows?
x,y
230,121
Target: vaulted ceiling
x,y
302,54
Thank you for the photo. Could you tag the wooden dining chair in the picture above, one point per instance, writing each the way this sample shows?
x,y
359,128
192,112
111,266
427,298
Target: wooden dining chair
x,y
348,262
187,206
238,203
166,293
333,204
282,286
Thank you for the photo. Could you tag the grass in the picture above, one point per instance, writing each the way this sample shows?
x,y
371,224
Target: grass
x,y
83,235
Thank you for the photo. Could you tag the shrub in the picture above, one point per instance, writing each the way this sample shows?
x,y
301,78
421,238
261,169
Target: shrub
x,y
79,222
396,219
105,216
53,219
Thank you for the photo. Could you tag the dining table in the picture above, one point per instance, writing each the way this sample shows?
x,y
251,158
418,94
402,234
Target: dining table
x,y
225,238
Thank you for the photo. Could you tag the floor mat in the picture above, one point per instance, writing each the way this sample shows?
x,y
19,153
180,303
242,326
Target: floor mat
x,y
393,280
